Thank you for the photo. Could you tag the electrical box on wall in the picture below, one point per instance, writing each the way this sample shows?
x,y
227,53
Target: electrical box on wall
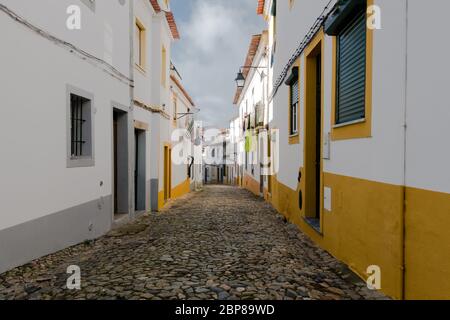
x,y
327,199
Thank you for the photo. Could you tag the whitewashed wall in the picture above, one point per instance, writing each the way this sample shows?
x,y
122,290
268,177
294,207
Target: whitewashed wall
x,y
379,158
428,111
179,170
254,91
34,74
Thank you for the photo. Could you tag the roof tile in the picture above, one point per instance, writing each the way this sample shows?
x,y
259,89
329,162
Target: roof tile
x,y
260,8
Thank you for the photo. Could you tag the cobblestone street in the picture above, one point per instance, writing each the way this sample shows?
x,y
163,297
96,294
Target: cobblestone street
x,y
221,243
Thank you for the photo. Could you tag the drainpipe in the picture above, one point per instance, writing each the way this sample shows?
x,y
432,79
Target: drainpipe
x,y
405,128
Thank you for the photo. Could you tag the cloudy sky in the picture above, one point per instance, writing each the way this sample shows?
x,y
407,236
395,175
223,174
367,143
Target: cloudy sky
x,y
215,35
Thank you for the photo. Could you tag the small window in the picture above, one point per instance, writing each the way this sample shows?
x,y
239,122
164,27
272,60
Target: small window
x,y
140,45
294,94
294,97
351,71
80,137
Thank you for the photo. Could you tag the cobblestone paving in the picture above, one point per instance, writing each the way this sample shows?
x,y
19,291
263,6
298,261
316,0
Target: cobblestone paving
x,y
222,243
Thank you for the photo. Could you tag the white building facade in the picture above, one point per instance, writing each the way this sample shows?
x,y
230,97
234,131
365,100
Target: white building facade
x,y
253,105
61,87
157,99
364,172
92,91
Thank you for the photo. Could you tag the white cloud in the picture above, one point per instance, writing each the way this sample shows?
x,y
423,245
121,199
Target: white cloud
x,y
215,39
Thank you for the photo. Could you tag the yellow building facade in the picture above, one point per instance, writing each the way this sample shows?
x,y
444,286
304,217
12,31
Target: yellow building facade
x,y
355,175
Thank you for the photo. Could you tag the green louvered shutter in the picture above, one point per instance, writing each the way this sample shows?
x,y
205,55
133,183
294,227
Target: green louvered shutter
x,y
351,72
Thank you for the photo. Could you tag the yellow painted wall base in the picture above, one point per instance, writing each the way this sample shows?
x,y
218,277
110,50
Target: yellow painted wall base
x,y
363,228
252,185
182,189
177,192
427,245
161,201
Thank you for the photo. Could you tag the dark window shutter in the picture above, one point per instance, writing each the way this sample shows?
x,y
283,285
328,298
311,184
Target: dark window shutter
x,y
294,93
351,71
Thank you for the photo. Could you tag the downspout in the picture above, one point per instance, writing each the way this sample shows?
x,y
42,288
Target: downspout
x,y
405,128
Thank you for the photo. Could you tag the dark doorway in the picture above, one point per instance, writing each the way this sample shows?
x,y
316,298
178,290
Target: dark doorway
x,y
120,165
139,171
167,173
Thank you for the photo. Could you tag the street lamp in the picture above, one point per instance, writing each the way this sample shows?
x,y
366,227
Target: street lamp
x,y
240,80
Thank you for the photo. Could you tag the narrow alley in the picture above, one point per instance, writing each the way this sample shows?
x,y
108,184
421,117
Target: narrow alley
x,y
221,243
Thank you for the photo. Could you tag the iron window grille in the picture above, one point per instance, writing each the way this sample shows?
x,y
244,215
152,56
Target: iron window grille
x,y
79,111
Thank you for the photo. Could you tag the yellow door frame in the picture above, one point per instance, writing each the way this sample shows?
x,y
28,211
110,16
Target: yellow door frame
x,y
167,172
315,48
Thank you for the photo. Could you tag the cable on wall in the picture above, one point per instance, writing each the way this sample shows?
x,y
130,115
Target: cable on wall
x,y
306,40
108,68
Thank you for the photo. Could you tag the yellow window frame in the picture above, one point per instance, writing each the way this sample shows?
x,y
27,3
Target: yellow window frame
x,y
294,138
141,64
359,129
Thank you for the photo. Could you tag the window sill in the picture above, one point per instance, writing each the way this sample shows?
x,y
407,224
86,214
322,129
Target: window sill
x,y
358,129
349,123
81,162
294,138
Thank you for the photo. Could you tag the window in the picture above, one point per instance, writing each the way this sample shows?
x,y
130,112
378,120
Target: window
x,y
294,98
351,71
351,115
163,66
80,133
140,45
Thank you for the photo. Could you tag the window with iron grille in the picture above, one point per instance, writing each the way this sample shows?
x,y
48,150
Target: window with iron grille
x,y
79,131
294,93
351,70
78,111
